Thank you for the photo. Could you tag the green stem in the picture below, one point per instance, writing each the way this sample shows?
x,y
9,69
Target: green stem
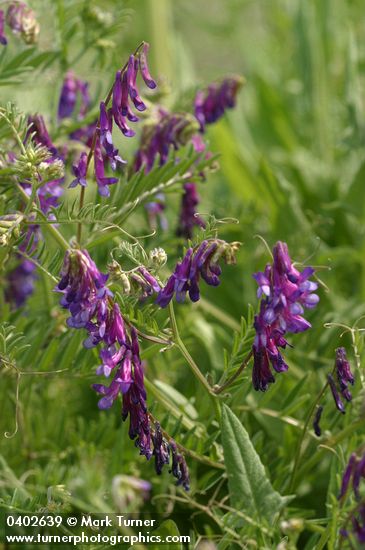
x,y
194,367
219,389
53,231
302,436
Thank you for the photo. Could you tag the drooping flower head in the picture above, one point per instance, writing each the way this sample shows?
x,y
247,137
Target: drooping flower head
x,y
344,374
210,104
202,262
169,131
285,292
123,95
92,307
22,20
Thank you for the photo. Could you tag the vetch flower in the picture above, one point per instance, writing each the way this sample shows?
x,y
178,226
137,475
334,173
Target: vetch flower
x,y
144,67
201,262
284,293
93,308
102,181
106,140
179,468
210,104
335,394
80,170
316,421
21,19
20,283
344,374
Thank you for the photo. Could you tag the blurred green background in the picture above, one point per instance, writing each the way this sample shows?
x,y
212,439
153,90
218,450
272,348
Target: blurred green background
x,y
291,168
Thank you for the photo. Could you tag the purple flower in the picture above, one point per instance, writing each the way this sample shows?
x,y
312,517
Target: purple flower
x,y
68,96
171,131
37,129
155,212
202,262
179,468
316,421
106,140
3,39
92,308
71,88
84,291
119,106
144,282
102,181
20,283
347,475
336,396
344,374
144,67
161,449
21,19
188,216
80,170
210,104
285,292
354,471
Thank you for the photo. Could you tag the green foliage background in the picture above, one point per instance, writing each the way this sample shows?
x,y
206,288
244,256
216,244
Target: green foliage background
x,y
291,168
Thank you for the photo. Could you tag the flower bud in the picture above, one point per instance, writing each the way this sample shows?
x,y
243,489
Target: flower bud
x,y
21,19
158,257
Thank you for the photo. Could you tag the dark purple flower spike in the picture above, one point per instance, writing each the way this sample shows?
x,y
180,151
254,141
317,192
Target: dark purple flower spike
x,y
92,308
284,293
344,374
211,104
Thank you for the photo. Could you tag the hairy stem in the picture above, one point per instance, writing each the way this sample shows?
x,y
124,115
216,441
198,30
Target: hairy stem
x,y
194,367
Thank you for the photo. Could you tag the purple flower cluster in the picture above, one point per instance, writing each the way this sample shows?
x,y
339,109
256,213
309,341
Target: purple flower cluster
x,y
353,474
124,93
170,131
73,88
344,378
92,307
202,262
188,216
210,104
162,451
286,292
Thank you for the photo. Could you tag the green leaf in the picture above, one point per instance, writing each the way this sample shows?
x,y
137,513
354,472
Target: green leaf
x,y
249,487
